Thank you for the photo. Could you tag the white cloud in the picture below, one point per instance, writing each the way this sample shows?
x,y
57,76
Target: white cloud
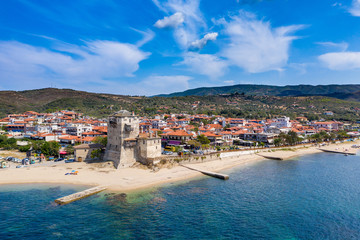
x,y
343,46
94,61
229,82
147,35
255,46
205,64
341,60
301,68
355,8
193,20
199,44
149,86
159,5
173,21
164,84
337,4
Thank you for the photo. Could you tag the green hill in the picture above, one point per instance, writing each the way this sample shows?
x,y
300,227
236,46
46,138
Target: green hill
x,y
52,99
229,105
261,90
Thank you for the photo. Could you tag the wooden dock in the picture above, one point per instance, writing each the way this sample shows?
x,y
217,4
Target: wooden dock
x,y
79,195
208,173
339,152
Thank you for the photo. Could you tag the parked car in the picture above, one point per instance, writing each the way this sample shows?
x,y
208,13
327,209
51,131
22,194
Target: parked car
x,y
167,153
20,166
9,158
59,159
70,160
16,160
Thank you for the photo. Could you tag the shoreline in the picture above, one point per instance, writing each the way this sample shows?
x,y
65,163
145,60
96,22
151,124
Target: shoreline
x,y
137,179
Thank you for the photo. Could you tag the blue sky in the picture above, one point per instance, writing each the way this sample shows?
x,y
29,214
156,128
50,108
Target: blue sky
x,y
147,47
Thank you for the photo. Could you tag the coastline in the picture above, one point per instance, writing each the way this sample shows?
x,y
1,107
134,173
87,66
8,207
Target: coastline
x,y
135,179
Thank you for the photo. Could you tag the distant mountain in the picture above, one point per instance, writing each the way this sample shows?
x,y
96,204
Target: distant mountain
x,y
52,99
262,90
345,105
354,96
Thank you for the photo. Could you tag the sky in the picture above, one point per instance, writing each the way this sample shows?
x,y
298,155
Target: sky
x,y
149,47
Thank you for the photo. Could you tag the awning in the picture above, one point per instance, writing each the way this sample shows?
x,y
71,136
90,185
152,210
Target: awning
x,y
174,143
63,152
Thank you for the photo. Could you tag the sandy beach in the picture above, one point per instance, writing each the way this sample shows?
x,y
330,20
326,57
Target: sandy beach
x,y
131,179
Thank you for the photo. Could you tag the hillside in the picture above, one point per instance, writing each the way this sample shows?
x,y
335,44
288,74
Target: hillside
x,y
228,105
52,99
261,90
354,96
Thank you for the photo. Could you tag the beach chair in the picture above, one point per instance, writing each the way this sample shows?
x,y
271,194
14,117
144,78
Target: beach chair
x,y
71,173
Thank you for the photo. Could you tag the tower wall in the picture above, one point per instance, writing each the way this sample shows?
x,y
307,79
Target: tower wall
x,y
123,129
149,148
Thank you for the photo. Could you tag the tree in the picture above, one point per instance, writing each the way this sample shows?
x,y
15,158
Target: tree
x,y
342,134
277,142
291,138
316,137
70,149
332,136
194,123
3,139
324,136
194,143
8,143
101,140
24,148
50,148
203,139
37,145
96,153
205,121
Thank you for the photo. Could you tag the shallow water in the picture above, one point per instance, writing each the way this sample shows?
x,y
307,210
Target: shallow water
x,y
313,197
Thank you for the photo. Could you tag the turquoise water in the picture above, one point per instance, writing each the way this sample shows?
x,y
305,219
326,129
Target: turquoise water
x,y
313,197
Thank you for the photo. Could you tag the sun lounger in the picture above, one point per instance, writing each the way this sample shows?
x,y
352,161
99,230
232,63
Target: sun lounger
x,y
73,172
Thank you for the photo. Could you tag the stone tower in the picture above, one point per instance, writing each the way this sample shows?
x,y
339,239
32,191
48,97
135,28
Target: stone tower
x,y
123,131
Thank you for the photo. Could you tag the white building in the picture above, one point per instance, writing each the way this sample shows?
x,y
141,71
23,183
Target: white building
x,y
78,129
281,122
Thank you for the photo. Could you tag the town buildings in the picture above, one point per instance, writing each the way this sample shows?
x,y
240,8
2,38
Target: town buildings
x,y
137,138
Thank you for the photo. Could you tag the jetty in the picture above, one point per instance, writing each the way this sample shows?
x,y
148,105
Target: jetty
x,y
208,173
271,157
278,156
80,195
339,152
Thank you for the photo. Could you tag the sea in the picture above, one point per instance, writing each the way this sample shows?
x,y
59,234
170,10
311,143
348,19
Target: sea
x,y
310,197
